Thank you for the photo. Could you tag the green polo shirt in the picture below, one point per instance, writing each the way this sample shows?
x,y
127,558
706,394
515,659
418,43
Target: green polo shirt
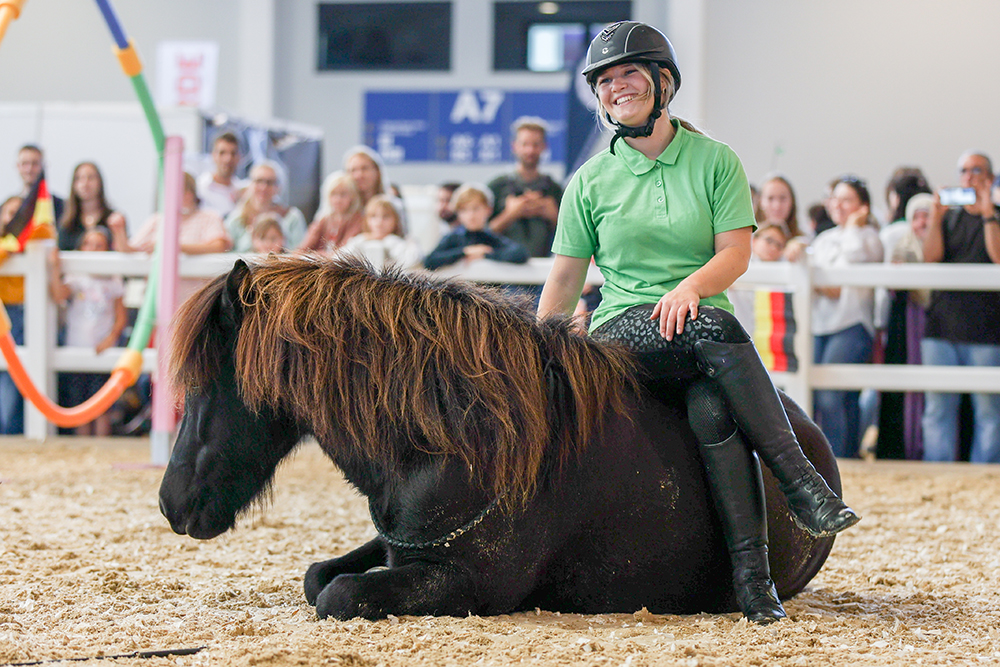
x,y
649,224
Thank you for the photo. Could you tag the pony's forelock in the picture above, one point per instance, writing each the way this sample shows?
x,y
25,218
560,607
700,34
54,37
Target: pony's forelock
x,y
197,347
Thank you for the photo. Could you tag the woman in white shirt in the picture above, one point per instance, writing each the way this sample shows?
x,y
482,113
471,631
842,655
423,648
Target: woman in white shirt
x,y
843,317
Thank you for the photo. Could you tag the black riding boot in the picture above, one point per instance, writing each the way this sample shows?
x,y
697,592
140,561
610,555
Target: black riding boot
x,y
738,491
759,413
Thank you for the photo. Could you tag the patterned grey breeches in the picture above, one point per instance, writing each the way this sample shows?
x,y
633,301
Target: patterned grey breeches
x,y
661,360
664,359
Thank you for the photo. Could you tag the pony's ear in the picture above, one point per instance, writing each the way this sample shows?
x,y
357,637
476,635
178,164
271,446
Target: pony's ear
x,y
230,304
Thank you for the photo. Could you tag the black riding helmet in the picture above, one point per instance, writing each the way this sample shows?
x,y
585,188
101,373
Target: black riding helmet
x,y
629,42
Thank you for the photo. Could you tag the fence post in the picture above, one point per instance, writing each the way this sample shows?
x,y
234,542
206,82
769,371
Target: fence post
x,y
164,421
40,324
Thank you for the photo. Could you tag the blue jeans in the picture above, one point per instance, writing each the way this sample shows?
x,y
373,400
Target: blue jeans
x,y
940,421
838,412
11,403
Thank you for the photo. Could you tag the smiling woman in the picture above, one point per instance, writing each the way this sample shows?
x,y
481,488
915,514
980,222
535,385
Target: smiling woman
x,y
843,317
86,207
668,220
624,92
259,199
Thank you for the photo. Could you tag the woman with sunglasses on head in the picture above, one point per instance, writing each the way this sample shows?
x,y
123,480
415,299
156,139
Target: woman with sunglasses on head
x,y
843,317
666,214
261,197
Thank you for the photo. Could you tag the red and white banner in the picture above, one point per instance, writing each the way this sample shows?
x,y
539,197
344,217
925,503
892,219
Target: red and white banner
x,y
186,74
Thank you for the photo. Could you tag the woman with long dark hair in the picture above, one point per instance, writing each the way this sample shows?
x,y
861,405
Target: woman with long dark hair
x,y
86,207
843,317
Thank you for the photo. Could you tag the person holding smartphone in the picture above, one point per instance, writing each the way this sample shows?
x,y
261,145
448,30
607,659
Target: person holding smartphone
x,y
963,328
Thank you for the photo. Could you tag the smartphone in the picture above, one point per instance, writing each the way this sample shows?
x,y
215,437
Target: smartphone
x,y
957,196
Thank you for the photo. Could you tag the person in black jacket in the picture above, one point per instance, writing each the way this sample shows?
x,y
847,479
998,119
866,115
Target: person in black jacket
x,y
473,240
963,327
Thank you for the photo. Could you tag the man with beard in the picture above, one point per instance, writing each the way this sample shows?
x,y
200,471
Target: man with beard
x,y
527,201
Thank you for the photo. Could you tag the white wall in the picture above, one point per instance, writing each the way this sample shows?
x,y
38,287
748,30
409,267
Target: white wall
x,y
335,100
61,50
853,85
113,135
61,86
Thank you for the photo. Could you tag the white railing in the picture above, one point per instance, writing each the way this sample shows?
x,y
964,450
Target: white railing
x,y
801,279
43,358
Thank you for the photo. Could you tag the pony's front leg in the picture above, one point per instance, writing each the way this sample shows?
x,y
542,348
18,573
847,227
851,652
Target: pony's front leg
x,y
414,589
362,559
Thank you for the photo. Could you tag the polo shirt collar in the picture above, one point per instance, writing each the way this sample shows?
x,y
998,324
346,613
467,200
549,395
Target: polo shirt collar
x,y
639,164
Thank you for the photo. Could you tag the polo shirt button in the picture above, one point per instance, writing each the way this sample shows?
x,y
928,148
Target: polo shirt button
x,y
659,183
660,200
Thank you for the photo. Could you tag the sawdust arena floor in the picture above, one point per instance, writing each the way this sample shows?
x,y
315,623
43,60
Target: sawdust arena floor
x,y
89,568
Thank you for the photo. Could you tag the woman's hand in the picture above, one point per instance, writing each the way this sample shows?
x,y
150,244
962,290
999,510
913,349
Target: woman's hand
x,y
116,222
795,250
732,255
674,308
106,344
832,293
859,218
60,292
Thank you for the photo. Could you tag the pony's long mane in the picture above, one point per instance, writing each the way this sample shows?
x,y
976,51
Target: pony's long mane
x,y
381,364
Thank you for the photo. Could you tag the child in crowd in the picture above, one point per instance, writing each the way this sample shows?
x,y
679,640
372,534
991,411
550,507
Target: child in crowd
x,y
339,217
472,240
95,318
910,247
769,242
381,238
908,326
768,245
266,234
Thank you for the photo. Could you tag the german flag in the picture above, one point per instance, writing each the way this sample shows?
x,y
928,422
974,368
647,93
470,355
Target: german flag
x,y
34,220
774,330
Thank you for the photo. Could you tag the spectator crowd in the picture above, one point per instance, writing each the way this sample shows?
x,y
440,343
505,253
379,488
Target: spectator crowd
x,y
514,217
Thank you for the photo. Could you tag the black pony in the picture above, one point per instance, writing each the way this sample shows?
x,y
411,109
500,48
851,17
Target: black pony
x,y
508,463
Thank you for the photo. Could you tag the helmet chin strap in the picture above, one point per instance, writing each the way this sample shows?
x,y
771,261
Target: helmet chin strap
x,y
646,129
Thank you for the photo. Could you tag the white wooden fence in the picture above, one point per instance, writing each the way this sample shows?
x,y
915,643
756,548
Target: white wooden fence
x,y
43,358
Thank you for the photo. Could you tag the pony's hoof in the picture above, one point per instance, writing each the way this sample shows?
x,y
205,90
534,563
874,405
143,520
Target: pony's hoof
x,y
315,581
